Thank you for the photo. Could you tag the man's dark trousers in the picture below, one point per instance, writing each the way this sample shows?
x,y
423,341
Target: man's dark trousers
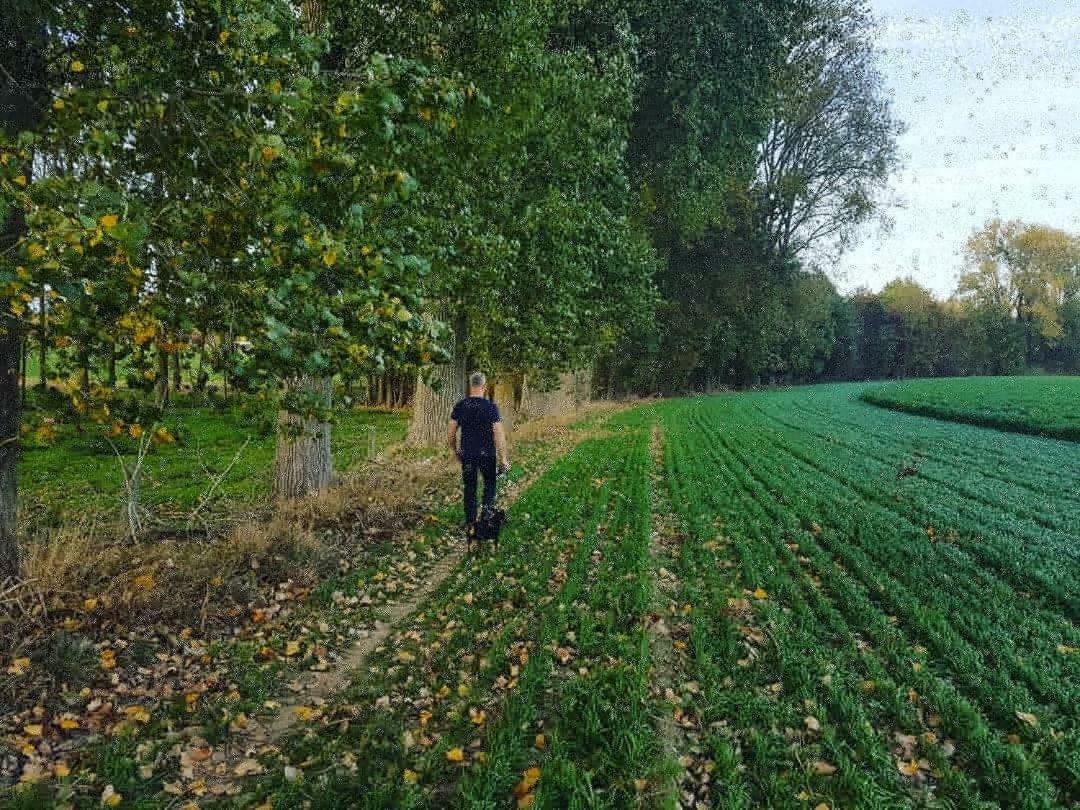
x,y
469,469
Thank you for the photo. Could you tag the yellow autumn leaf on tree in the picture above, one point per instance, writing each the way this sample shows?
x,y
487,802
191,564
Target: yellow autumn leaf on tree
x,y
58,104
20,180
109,220
269,153
35,251
330,259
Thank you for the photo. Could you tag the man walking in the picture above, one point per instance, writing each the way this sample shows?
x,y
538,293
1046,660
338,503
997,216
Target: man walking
x,y
483,443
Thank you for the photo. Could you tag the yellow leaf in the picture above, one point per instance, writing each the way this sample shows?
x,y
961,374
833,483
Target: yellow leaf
x,y
35,251
1065,649
32,730
77,66
455,755
67,723
58,104
137,713
144,581
760,593
103,105
405,657
269,153
19,666
821,806
527,783
909,768
108,659
223,37
61,769
640,785
109,797
822,768
1028,718
135,431
90,604
330,259
411,777
292,648
109,220
304,713
540,742
20,180
526,801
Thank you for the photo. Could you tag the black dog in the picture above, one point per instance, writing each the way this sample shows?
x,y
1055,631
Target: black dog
x,y
488,526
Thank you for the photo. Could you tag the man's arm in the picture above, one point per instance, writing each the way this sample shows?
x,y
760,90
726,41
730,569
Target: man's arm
x,y
451,437
500,444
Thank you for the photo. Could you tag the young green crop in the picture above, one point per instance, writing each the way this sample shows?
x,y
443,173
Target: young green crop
x,y
1043,406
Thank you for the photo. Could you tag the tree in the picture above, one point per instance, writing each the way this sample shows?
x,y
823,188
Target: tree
x,y
831,143
1022,274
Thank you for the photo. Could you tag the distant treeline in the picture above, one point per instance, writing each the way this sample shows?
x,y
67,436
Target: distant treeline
x,y
1017,307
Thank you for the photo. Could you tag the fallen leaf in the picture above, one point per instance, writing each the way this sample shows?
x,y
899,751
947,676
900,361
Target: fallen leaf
x,y
455,755
527,783
909,768
248,767
812,723
540,742
109,797
822,768
19,666
761,593
411,777
1028,718
292,648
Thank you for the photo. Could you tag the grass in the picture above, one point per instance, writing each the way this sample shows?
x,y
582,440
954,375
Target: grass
x,y
1044,406
78,476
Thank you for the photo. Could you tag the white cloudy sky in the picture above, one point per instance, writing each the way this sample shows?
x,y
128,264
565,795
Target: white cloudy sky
x,y
990,93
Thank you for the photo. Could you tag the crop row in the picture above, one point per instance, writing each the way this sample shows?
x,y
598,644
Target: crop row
x,y
864,644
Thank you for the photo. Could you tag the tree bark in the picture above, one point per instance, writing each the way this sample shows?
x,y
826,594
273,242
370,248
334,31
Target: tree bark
x,y
9,447
22,100
43,339
177,377
110,370
303,464
161,398
431,408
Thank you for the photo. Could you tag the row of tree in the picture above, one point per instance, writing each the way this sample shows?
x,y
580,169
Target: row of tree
x,y
1016,307
360,189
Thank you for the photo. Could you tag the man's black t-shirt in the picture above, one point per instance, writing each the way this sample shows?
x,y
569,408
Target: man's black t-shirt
x,y
476,417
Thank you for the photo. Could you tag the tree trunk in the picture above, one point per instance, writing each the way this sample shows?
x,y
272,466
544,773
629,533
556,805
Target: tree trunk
x,y
43,339
431,408
303,464
177,378
110,370
9,447
161,398
22,100
24,358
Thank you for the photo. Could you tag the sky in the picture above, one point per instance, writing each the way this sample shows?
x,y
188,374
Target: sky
x,y
990,94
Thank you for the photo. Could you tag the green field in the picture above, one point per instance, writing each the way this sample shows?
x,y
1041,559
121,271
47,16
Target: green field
x,y
860,608
1044,406
788,599
78,477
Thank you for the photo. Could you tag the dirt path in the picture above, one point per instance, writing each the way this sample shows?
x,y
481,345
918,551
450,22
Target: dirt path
x,y
317,688
669,631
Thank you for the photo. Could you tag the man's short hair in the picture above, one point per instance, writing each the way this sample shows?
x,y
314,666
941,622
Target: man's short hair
x,y
477,379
